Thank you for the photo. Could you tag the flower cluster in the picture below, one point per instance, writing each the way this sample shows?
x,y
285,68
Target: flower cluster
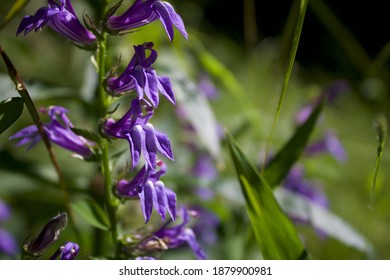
x,y
59,131
144,140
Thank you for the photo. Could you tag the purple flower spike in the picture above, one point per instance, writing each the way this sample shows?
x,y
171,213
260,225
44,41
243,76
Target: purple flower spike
x,y
68,251
63,20
141,77
147,187
140,134
144,12
179,235
59,131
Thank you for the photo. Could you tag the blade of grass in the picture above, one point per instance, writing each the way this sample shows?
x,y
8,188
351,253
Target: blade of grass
x,y
16,7
290,64
281,163
274,232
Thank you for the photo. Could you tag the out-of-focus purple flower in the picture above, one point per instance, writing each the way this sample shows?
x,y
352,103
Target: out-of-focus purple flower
x,y
146,258
207,87
328,144
59,131
63,20
175,236
140,134
4,211
147,187
205,226
141,77
47,236
296,183
329,95
68,251
143,12
204,167
7,243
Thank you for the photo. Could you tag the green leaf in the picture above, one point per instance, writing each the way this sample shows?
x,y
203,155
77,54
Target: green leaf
x,y
198,112
322,219
91,212
16,7
10,111
274,232
281,163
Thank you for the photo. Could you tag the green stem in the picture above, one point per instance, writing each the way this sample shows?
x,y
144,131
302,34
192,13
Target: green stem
x,y
291,59
110,199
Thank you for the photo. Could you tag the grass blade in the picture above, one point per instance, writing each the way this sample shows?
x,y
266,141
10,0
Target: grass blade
x,y
274,232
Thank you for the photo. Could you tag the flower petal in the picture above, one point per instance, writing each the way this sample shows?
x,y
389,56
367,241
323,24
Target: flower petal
x,y
171,203
146,200
161,199
165,87
150,147
151,87
136,139
189,236
163,144
165,18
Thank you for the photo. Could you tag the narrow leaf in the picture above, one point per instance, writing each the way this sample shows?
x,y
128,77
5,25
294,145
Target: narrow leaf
x,y
289,68
322,219
198,112
10,111
91,212
274,232
281,163
16,7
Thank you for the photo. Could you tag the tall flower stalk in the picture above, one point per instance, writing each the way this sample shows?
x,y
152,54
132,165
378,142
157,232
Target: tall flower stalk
x,y
134,126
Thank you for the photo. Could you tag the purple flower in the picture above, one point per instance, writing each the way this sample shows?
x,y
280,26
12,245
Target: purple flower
x,y
176,236
141,77
63,20
7,243
207,87
329,95
4,211
329,144
140,134
68,251
206,225
146,258
144,12
47,236
59,131
147,187
296,183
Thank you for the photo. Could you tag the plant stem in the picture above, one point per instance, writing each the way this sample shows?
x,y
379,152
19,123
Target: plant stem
x,y
110,200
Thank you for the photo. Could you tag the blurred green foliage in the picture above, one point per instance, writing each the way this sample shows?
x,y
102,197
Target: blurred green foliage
x,y
249,82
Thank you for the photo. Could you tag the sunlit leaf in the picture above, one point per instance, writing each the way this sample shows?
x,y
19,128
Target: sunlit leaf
x,y
322,219
91,212
198,112
10,111
281,163
274,232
